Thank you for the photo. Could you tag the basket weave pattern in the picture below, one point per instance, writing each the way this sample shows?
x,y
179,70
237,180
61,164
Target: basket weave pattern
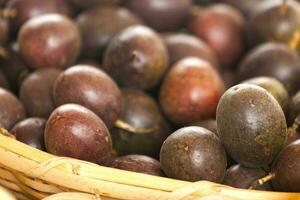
x,y
33,174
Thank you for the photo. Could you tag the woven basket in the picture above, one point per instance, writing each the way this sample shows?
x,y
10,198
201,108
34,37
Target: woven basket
x,y
32,174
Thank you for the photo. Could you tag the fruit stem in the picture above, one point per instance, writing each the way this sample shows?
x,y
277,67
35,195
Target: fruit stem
x,y
127,127
8,13
262,181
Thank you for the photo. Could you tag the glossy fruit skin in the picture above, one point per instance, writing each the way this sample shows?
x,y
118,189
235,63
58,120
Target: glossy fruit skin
x,y
193,154
141,111
75,131
190,91
221,32
286,169
182,45
31,131
138,163
136,58
11,109
36,92
99,24
272,21
294,108
28,9
49,41
92,88
272,59
161,15
273,86
243,177
3,81
14,69
251,125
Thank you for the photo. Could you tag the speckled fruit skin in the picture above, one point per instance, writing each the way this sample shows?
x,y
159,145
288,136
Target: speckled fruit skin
x,y
243,177
140,111
31,131
11,109
272,21
193,154
221,32
28,9
190,91
89,87
75,131
162,15
182,45
138,163
286,169
209,124
273,86
49,41
99,24
136,57
276,60
251,125
36,92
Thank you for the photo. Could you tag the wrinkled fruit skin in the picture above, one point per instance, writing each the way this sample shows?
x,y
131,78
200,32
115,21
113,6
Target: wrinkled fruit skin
x,y
222,33
274,60
272,22
136,58
49,41
182,45
243,177
193,154
138,163
36,92
286,169
190,91
92,88
98,25
28,9
162,15
251,125
11,110
31,131
140,111
75,131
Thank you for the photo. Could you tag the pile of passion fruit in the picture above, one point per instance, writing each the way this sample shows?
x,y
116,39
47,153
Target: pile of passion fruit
x,y
191,90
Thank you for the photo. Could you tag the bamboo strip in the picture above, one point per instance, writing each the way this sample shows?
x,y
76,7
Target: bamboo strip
x,y
6,195
89,178
10,185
